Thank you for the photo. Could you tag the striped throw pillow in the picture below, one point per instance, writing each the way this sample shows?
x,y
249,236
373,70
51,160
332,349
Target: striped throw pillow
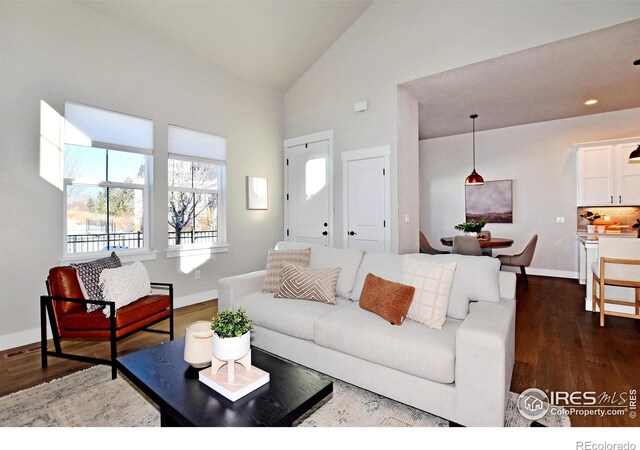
x,y
276,259
309,284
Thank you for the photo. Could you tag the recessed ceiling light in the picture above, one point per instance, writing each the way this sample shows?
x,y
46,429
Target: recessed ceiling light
x,y
591,102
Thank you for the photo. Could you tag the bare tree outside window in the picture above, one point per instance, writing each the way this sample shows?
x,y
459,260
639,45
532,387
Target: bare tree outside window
x,y
193,201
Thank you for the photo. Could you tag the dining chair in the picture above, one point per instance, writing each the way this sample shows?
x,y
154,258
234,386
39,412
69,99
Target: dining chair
x,y
466,245
617,265
522,259
425,247
484,234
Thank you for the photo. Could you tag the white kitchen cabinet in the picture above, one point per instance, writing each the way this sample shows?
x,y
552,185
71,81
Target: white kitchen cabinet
x,y
605,175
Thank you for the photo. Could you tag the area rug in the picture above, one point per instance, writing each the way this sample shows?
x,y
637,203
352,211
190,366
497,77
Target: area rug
x,y
90,398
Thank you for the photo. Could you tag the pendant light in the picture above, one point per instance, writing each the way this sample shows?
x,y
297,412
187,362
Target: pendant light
x,y
475,178
634,156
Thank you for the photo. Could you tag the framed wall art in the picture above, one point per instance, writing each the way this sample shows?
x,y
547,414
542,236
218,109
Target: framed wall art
x,y
257,193
491,201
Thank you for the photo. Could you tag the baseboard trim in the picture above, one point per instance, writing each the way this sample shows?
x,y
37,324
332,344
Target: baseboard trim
x,y
544,272
27,337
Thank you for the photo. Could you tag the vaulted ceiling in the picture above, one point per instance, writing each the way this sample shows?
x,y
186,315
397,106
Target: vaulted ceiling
x,y
272,43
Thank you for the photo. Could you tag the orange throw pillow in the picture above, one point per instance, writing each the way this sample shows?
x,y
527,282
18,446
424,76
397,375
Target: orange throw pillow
x,y
388,299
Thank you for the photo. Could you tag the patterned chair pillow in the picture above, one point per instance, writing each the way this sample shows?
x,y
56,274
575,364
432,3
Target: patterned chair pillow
x,y
124,285
89,277
308,284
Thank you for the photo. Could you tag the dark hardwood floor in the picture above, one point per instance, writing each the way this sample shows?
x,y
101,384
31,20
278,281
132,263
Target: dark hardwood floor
x,y
559,346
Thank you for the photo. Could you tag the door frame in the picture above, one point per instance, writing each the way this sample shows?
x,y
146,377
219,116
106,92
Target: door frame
x,y
302,140
383,151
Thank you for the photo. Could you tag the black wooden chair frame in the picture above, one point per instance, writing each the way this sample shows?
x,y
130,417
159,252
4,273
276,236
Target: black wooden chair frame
x,y
46,308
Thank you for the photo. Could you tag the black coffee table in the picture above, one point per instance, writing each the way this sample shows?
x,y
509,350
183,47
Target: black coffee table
x,y
163,375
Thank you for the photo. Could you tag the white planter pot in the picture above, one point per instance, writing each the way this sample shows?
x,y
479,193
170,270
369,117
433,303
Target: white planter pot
x,y
198,345
231,349
591,228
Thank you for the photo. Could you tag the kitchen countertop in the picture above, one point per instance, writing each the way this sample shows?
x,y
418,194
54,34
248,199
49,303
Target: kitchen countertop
x,y
583,236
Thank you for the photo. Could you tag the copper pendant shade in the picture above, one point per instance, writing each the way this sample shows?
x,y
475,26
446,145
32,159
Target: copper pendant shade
x,y
475,178
634,156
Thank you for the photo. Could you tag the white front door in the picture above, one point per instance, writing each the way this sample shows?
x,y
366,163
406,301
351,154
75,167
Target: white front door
x,y
307,196
366,207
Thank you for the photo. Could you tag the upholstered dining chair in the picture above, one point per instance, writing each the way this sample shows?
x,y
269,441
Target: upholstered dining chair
x,y
522,259
618,265
466,245
425,247
484,234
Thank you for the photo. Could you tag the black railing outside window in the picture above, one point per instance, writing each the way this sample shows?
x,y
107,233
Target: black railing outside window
x,y
82,243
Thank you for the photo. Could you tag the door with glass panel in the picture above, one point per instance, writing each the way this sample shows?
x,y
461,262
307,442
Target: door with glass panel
x,y
307,193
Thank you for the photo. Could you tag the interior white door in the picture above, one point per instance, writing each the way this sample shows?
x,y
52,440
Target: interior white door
x,y
307,199
366,221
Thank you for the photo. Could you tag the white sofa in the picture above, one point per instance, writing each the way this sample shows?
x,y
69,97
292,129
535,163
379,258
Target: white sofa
x,y
461,372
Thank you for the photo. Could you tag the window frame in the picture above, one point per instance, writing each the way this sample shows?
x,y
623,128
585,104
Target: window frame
x,y
205,247
140,253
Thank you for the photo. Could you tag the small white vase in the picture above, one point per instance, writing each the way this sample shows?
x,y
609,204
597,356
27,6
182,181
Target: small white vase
x,y
591,229
231,349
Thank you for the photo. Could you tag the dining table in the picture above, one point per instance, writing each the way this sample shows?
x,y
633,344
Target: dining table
x,y
487,245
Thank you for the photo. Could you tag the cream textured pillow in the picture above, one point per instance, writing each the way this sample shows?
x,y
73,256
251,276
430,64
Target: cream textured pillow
x,y
432,281
276,259
125,284
309,284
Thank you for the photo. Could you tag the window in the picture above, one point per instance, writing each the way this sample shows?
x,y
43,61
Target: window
x,y
196,188
107,159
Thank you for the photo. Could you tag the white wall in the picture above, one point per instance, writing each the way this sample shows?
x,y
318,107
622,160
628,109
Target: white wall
x,y
396,42
58,51
540,161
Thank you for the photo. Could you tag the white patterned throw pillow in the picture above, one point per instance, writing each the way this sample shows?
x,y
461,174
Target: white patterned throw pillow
x,y
125,284
433,282
309,284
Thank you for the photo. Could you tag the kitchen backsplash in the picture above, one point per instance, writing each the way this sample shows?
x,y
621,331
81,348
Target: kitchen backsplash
x,y
620,216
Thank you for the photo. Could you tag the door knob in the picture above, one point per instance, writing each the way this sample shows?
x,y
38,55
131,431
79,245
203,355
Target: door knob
x,y
324,233
352,233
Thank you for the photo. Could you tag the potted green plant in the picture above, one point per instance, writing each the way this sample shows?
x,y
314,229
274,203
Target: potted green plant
x,y
231,334
591,217
471,227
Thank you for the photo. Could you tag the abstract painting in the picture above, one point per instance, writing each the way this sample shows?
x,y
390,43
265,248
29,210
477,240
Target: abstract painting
x,y
491,201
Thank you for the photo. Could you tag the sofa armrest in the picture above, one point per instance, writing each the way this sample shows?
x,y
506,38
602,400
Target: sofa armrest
x,y
507,285
231,288
485,354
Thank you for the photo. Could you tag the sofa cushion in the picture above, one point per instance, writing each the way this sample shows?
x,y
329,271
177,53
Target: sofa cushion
x,y
477,278
286,245
347,259
276,259
292,317
388,299
432,281
383,265
306,283
412,348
